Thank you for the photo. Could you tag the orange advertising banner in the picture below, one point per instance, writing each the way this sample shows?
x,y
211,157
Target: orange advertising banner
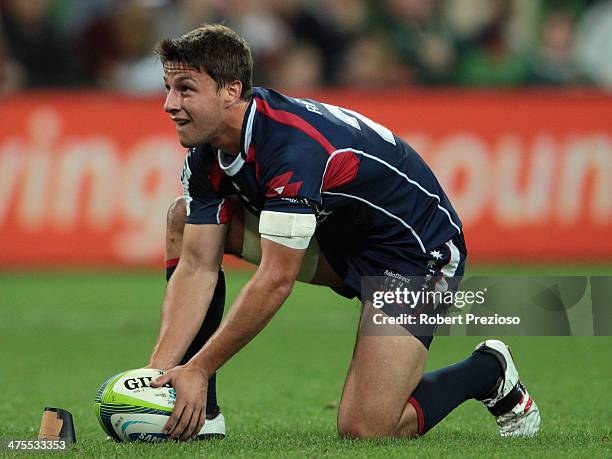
x,y
86,178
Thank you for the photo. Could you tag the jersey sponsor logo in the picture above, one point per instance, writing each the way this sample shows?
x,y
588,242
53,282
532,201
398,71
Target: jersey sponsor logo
x,y
302,201
397,276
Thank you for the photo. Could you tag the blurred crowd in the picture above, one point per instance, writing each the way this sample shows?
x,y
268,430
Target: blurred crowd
x,y
301,44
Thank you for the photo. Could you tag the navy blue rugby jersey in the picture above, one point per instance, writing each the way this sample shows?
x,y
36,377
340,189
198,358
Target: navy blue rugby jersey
x,y
366,186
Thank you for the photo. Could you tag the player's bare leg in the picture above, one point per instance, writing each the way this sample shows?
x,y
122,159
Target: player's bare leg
x,y
386,393
383,372
175,224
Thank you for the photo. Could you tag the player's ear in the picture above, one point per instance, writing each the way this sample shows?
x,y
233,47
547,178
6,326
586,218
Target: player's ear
x,y
233,91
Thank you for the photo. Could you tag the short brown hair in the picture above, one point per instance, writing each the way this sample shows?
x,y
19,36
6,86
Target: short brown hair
x,y
214,49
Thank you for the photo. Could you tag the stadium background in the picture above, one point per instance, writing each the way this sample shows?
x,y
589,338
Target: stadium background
x,y
508,100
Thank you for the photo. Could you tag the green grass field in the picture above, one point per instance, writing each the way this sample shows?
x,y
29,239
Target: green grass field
x,y
62,334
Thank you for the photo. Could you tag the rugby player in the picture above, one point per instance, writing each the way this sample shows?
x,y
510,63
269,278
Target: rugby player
x,y
317,193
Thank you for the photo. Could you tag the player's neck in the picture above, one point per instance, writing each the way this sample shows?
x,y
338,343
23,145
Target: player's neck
x,y
229,139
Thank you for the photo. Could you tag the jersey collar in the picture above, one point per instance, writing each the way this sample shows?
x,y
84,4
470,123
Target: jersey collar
x,y
245,141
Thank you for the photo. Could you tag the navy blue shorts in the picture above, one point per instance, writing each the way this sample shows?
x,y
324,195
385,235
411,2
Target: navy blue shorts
x,y
446,261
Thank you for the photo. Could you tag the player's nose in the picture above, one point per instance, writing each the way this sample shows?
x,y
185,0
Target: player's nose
x,y
172,103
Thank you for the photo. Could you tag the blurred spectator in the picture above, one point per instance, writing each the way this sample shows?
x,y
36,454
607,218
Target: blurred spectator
x,y
488,57
11,74
35,45
302,68
175,17
420,37
116,49
330,27
370,64
552,62
594,44
134,68
74,16
468,18
268,35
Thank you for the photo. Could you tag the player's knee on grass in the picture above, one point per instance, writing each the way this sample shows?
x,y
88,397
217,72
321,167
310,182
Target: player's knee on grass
x,y
362,422
367,417
175,224
354,425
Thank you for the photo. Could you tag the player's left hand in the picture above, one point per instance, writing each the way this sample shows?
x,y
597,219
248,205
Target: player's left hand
x,y
189,413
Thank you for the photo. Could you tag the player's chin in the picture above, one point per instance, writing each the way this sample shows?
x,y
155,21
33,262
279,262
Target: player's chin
x,y
188,141
190,137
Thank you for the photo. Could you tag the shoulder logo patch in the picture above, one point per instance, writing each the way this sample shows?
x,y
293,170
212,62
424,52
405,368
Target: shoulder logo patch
x,y
281,185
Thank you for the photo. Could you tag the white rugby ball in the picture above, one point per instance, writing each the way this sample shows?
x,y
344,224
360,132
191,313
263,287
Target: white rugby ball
x,y
130,410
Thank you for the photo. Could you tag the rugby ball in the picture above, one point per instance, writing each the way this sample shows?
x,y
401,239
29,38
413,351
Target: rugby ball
x,y
130,410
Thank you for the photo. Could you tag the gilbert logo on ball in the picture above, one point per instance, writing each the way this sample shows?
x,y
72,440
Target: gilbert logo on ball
x,y
130,410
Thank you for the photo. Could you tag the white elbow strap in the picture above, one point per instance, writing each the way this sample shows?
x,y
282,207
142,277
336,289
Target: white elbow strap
x,y
291,230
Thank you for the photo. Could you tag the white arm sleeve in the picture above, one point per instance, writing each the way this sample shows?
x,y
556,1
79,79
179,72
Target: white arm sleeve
x,y
290,230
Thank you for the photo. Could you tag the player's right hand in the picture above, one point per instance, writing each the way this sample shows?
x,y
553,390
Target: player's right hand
x,y
189,413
